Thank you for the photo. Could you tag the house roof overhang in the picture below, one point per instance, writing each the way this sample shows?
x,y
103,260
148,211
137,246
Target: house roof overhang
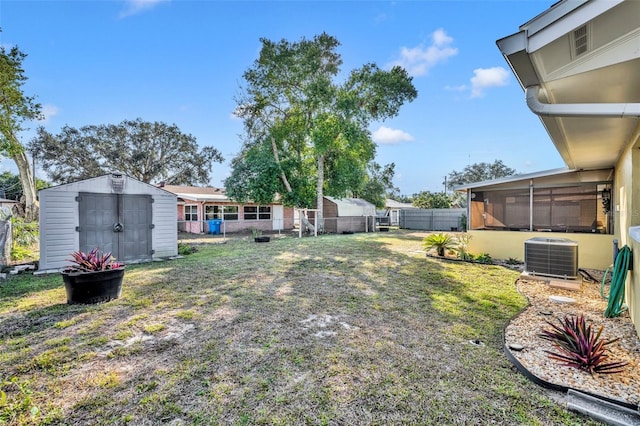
x,y
548,178
588,99
202,197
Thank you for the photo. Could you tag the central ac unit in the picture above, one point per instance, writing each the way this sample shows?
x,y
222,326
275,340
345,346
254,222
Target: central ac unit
x,y
553,257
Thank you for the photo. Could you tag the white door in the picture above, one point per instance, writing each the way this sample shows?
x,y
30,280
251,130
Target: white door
x,y
278,217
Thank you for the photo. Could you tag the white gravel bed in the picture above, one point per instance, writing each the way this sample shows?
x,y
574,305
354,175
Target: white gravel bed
x,y
524,329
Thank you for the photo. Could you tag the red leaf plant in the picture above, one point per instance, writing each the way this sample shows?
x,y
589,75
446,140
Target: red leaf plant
x,y
92,261
580,347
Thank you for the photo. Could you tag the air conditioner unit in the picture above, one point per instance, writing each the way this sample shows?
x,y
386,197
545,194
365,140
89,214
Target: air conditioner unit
x,y
553,257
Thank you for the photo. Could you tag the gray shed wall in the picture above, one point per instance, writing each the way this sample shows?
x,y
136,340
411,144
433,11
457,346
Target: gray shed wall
x,y
59,218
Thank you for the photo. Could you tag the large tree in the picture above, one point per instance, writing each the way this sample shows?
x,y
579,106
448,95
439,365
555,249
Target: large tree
x,y
15,109
306,135
478,172
431,200
150,152
378,184
11,186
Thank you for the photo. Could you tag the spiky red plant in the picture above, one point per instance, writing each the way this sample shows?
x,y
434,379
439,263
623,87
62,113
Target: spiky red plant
x,y
92,261
580,347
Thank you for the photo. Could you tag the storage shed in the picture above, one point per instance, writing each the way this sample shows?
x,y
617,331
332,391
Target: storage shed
x,y
348,215
134,220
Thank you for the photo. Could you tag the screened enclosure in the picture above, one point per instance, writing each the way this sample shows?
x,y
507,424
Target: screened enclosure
x,y
543,206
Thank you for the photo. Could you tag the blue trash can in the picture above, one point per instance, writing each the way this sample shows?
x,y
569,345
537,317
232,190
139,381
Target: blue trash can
x,y
214,226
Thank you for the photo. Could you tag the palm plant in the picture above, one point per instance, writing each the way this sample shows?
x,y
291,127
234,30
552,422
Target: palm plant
x,y
440,242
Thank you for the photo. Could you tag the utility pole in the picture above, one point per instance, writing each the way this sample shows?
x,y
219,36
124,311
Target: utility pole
x,y
445,185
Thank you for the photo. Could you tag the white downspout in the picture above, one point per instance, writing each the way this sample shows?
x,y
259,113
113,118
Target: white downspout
x,y
579,110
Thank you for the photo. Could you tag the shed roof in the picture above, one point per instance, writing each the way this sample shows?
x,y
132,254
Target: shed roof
x,y
393,204
353,206
104,182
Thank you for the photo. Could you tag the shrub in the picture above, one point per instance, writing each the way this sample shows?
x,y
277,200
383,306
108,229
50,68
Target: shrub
x,y
440,242
186,249
25,237
484,258
579,347
463,240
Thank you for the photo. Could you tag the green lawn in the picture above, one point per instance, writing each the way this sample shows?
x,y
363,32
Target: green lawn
x,y
342,329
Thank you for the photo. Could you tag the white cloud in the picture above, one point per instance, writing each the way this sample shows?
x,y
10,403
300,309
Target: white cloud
x,y
420,59
133,7
460,88
487,77
388,136
49,111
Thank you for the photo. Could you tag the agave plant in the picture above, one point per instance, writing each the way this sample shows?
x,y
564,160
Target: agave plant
x,y
92,261
441,242
580,347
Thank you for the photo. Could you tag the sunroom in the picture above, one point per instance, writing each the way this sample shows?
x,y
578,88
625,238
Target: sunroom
x,y
563,203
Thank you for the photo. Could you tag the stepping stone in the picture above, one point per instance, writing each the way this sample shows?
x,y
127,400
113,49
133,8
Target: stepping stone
x,y
562,299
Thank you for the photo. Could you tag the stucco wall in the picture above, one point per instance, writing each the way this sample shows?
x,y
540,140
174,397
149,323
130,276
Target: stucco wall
x,y
626,207
595,251
632,287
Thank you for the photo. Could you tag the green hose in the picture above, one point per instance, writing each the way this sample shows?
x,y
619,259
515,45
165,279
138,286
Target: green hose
x,y
618,277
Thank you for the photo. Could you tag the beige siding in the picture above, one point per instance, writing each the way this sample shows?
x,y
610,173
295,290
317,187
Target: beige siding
x,y
58,222
165,231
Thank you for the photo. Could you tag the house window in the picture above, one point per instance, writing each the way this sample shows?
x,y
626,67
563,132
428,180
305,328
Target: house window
x,y
230,212
257,212
264,213
250,212
190,213
212,212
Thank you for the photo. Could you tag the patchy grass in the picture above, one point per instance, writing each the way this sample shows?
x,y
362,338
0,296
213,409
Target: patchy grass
x,y
343,329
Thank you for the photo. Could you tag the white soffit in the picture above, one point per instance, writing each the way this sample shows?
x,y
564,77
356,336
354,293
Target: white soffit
x,y
552,25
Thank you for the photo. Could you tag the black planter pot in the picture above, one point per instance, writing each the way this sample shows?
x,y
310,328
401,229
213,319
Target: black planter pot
x,y
262,239
93,287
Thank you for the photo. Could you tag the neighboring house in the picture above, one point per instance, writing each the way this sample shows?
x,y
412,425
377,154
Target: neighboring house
x,y
197,206
578,63
7,203
347,215
393,209
131,219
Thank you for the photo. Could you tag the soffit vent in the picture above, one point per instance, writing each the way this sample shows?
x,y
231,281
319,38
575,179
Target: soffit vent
x,y
580,41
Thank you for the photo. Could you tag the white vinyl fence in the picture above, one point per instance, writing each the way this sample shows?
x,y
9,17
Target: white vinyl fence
x,y
433,219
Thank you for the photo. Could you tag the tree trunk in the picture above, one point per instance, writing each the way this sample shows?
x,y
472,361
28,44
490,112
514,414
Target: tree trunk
x,y
285,181
320,192
28,186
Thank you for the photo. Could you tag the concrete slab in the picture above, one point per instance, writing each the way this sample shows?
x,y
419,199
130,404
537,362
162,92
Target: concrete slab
x,y
599,409
568,284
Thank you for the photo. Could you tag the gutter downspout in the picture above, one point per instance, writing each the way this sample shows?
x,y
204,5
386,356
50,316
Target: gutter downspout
x,y
579,110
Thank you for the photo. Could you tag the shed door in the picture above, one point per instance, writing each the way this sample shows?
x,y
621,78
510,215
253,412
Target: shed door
x,y
119,223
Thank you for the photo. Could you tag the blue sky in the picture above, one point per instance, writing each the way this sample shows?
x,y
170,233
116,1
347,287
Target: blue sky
x,y
181,62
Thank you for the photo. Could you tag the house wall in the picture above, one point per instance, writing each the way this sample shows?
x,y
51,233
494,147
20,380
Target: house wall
x,y
626,208
595,251
231,226
59,218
